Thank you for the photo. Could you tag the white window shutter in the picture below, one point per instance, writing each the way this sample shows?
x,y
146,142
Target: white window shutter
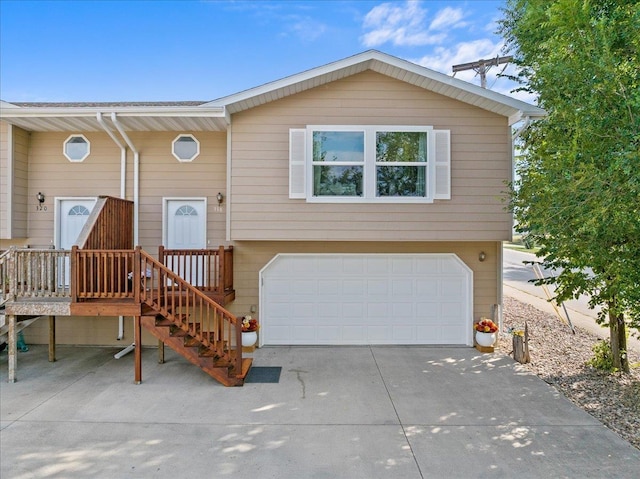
x,y
443,164
297,163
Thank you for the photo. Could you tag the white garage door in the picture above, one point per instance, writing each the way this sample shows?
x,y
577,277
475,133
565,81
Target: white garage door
x,y
349,299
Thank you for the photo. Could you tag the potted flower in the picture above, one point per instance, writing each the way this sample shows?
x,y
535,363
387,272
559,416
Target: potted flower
x,y
486,332
249,331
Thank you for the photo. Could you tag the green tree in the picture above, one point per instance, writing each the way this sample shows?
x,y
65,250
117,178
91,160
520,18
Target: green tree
x,y
578,192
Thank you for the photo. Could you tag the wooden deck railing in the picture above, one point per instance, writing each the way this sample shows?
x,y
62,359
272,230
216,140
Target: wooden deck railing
x,y
137,276
35,273
102,274
209,270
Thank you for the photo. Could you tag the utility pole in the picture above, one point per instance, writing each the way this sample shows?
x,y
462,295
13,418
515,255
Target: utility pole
x,y
481,67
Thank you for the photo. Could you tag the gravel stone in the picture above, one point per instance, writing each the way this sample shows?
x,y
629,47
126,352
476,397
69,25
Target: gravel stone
x,y
559,358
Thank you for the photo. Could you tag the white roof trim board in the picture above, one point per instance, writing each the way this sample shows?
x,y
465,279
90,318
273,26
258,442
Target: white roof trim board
x,y
388,65
216,115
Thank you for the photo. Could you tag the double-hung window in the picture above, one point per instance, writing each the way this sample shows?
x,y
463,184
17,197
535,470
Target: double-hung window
x,y
400,164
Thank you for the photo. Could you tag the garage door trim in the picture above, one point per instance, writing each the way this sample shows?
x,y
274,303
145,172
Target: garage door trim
x,y
463,272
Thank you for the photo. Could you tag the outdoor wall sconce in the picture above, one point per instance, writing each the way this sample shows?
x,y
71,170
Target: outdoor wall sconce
x,y
482,256
220,198
40,197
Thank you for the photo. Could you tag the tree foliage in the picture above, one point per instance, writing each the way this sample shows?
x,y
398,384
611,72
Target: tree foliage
x,y
578,188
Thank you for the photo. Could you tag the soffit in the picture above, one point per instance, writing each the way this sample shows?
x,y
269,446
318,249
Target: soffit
x,y
84,118
387,65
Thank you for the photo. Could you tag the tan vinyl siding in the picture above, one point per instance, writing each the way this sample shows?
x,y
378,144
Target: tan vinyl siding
x,y
251,256
21,139
481,163
161,175
86,331
5,228
14,154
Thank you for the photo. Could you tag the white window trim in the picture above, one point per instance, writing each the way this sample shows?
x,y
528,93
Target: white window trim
x,y
369,176
173,147
64,148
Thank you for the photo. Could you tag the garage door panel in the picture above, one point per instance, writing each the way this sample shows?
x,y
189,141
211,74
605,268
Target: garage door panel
x,y
353,266
378,310
403,287
377,266
378,287
329,286
403,310
451,287
366,299
402,266
354,287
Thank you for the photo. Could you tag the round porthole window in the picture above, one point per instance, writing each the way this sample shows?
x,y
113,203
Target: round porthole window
x,y
76,148
185,148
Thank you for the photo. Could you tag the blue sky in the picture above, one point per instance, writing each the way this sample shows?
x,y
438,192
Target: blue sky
x,y
201,50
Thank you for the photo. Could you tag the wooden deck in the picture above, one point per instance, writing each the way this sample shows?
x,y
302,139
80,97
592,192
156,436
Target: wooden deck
x,y
107,276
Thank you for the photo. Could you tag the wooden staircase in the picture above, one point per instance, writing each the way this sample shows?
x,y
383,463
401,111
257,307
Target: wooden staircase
x,y
191,323
179,298
221,368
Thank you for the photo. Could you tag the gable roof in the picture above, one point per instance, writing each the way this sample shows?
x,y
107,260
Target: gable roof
x,y
215,115
387,65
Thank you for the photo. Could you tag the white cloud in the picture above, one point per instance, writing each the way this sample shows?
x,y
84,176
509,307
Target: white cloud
x,y
307,29
448,18
402,24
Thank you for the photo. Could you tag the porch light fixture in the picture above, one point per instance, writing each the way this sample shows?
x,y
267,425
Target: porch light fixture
x,y
482,256
40,197
220,198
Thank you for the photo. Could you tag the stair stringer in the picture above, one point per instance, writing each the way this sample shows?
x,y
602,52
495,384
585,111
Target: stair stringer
x,y
219,369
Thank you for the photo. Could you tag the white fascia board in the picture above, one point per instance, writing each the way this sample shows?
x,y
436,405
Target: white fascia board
x,y
31,115
49,112
378,61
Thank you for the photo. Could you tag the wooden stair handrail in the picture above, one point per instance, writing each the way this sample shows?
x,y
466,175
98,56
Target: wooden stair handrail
x,y
158,281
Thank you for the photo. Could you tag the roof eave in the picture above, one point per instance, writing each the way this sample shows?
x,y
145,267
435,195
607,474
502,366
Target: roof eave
x,y
164,118
387,65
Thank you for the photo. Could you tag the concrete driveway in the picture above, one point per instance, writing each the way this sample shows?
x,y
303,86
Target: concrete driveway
x,y
350,412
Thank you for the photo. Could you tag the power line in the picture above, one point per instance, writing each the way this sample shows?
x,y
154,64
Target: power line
x,y
481,67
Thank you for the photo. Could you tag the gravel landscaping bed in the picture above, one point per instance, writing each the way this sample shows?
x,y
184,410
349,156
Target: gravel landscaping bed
x,y
559,358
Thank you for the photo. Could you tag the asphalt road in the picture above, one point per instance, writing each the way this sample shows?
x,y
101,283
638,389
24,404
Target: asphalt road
x,y
519,275
517,278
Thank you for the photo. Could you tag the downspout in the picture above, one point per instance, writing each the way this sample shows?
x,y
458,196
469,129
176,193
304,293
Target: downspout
x,y
123,155
136,194
10,172
136,171
499,252
136,162
516,135
123,176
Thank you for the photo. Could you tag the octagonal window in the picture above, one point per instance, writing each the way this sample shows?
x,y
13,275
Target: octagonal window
x,y
185,148
76,148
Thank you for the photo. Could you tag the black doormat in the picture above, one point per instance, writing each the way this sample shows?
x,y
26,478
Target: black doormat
x,y
263,374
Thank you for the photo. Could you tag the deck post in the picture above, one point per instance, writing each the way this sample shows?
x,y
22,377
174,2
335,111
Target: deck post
x,y
160,351
138,349
13,348
52,339
73,287
220,286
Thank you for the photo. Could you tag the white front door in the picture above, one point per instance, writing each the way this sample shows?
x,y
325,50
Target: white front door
x,y
185,227
72,214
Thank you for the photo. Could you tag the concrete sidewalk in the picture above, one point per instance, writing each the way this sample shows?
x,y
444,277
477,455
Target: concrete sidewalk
x,y
350,412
